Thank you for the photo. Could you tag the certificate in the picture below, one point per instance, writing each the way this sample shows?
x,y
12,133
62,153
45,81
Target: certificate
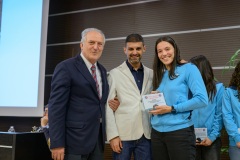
x,y
201,133
151,100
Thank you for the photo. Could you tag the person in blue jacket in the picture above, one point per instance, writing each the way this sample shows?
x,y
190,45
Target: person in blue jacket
x,y
231,113
172,126
210,117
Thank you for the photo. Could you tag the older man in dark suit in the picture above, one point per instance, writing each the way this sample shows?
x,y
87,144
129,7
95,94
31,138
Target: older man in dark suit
x,y
77,102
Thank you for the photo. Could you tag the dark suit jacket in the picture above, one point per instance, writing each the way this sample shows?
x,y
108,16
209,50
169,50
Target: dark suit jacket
x,y
74,107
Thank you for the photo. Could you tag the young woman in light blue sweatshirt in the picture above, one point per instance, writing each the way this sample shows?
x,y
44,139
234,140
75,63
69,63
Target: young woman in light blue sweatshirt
x,y
209,117
172,127
231,113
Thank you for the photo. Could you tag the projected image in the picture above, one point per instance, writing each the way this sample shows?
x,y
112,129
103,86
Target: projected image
x,y
0,16
23,26
19,65
23,38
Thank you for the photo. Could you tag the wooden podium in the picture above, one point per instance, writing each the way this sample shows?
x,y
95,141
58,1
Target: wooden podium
x,y
23,146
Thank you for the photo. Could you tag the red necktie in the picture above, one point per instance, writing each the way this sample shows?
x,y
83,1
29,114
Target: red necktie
x,y
93,68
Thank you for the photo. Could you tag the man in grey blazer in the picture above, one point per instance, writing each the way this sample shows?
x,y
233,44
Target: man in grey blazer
x,y
128,128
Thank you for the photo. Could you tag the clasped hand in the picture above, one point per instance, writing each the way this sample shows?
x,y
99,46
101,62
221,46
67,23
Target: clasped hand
x,y
161,110
205,142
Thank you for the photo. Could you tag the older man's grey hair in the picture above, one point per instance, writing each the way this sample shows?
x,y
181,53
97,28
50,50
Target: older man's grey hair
x,y
85,32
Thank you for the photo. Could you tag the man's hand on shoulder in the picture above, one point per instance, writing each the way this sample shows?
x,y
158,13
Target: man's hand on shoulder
x,y
58,153
114,104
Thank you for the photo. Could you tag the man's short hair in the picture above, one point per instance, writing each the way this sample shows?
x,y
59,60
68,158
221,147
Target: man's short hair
x,y
134,38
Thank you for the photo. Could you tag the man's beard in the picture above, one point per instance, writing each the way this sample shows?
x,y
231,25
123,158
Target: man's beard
x,y
135,61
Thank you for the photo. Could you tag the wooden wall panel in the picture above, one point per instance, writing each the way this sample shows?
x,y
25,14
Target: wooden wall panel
x,y
56,54
146,18
57,6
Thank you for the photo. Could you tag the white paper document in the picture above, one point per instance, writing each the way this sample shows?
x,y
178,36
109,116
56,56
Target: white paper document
x,y
150,100
201,133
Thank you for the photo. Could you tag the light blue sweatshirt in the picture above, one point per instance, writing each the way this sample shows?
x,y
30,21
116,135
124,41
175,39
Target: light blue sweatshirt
x,y
210,117
176,93
231,114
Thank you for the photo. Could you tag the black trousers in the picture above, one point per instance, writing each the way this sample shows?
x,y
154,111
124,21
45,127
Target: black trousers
x,y
96,154
175,145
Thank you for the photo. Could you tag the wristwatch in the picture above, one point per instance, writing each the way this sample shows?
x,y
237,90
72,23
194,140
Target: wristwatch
x,y
173,110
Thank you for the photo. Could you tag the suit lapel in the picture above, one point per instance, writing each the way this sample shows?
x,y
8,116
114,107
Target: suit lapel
x,y
145,78
104,81
82,68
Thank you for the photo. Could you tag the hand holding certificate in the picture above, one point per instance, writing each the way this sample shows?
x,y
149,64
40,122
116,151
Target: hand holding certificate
x,y
152,100
201,134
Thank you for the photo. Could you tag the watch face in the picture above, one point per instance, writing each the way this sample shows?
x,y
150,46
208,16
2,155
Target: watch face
x,y
173,110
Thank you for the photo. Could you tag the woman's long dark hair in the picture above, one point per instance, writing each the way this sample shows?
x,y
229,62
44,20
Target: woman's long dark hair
x,y
206,71
159,67
235,80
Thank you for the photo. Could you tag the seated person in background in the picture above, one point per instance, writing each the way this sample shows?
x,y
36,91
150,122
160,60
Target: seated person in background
x,y
44,124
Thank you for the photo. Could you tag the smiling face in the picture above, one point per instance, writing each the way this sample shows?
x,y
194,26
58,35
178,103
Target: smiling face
x,y
92,46
165,53
134,51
